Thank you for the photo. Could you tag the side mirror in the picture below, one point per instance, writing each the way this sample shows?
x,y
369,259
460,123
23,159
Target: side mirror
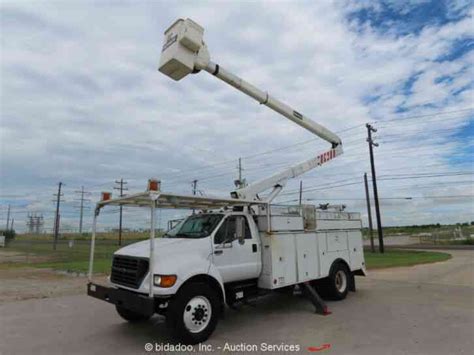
x,y
240,229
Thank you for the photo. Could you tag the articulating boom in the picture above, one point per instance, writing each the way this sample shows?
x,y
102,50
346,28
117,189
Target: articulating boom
x,y
184,52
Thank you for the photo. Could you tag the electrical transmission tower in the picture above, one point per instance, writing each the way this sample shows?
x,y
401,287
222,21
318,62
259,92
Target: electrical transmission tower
x,y
120,186
35,223
30,223
370,129
81,206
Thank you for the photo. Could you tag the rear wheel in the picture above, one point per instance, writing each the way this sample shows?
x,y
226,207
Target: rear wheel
x,y
129,315
193,314
337,284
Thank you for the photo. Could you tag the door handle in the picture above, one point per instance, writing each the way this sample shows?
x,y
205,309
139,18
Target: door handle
x,y
254,248
218,252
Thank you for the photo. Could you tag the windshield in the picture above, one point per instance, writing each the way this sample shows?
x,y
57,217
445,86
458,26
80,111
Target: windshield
x,y
195,226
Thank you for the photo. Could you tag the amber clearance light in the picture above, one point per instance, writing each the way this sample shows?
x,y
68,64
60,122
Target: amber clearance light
x,y
106,196
154,185
164,280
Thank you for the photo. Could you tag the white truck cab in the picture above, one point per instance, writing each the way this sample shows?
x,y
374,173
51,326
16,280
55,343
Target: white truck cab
x,y
233,249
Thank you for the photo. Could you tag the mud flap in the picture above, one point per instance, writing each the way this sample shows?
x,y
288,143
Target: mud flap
x,y
352,283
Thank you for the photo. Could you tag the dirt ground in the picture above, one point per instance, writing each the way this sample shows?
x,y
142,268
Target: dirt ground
x,y
7,257
27,283
19,283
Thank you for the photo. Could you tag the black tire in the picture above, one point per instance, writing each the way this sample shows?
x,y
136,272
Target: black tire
x,y
193,302
337,284
129,315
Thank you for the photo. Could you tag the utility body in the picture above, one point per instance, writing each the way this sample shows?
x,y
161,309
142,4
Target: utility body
x,y
232,249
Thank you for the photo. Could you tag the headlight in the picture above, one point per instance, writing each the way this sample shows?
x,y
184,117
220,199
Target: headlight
x,y
164,280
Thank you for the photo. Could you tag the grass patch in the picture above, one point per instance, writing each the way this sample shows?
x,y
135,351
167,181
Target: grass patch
x,y
101,266
76,257
395,258
467,241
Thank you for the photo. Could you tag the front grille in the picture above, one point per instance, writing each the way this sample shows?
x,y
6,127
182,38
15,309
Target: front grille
x,y
128,271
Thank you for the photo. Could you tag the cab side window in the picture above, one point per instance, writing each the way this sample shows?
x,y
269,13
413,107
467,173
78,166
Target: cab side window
x,y
248,234
228,230
224,234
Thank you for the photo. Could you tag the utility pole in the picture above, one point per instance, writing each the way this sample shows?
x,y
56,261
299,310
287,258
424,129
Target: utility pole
x,y
56,221
369,214
11,225
370,129
240,170
121,188
81,200
195,187
8,218
301,191
240,182
194,190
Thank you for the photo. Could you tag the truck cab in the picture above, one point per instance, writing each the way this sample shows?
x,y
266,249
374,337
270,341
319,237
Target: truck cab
x,y
224,244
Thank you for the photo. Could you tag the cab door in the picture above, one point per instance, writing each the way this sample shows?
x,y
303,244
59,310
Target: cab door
x,y
236,251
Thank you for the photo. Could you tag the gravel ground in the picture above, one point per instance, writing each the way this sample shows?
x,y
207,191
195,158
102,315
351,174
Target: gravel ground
x,y
19,283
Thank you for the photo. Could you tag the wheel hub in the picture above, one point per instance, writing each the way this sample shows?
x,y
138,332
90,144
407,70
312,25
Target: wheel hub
x,y
197,314
341,281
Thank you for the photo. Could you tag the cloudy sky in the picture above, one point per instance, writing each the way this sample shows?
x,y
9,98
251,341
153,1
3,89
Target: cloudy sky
x,y
82,102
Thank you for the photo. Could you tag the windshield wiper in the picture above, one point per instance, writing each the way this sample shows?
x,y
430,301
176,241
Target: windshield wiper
x,y
185,235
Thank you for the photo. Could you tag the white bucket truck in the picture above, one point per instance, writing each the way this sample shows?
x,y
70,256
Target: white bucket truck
x,y
233,249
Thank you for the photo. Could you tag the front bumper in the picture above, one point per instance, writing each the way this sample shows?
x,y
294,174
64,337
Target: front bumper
x,y
133,301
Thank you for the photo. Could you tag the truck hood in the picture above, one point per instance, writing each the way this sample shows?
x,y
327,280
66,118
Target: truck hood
x,y
166,247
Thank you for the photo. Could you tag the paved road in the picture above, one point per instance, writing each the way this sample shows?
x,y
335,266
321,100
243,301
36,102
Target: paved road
x,y
426,309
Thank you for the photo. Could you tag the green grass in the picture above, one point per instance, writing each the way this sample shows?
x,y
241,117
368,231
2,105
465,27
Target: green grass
x,y
76,259
101,266
395,258
441,231
467,241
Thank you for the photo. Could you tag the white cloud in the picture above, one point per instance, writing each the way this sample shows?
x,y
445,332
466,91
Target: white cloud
x,y
82,100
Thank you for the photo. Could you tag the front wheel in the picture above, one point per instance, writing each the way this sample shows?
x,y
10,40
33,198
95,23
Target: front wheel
x,y
193,314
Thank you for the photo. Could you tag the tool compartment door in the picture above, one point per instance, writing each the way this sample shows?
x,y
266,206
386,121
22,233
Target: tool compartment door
x,y
307,256
279,261
336,241
356,251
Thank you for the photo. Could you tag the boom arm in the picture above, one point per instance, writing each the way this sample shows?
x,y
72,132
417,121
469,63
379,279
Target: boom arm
x,y
184,52
279,180
265,99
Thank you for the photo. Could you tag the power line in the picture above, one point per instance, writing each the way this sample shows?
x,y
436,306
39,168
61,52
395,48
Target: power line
x,y
401,198
382,178
440,113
